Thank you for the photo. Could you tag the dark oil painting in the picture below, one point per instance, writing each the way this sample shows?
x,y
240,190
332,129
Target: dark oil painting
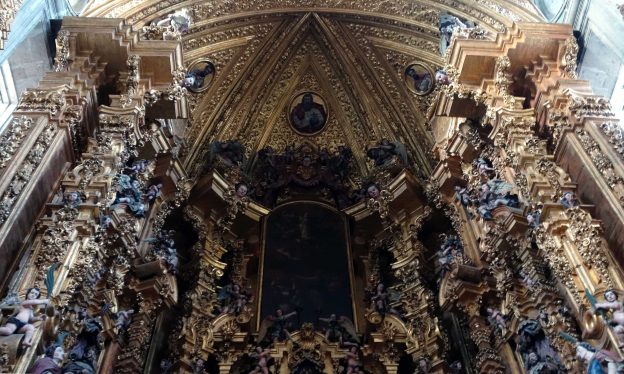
x,y
306,265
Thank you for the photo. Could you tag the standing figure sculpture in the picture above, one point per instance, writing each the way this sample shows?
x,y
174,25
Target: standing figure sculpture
x,y
537,353
497,319
123,319
50,363
21,323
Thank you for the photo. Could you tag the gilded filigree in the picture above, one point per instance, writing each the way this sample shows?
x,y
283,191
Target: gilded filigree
x,y
25,172
600,160
589,106
615,135
133,64
552,172
570,56
51,101
11,140
554,253
62,58
588,240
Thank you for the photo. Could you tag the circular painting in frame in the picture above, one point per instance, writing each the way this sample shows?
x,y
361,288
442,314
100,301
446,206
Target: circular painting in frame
x,y
199,75
307,113
419,78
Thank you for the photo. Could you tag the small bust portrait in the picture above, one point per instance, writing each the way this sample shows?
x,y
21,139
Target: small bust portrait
x,y
198,76
419,78
307,113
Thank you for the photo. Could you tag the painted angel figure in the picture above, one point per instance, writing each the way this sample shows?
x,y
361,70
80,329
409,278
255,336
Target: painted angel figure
x,y
178,22
262,357
21,322
339,329
494,193
484,166
382,299
596,360
352,357
613,304
123,319
164,248
137,167
233,298
153,191
497,319
274,328
569,200
129,193
451,250
384,152
533,218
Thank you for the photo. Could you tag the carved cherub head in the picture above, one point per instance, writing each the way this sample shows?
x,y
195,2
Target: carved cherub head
x,y
610,295
241,189
373,191
33,293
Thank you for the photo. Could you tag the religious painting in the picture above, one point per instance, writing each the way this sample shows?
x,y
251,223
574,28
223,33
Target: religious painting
x,y
307,113
199,76
419,78
306,265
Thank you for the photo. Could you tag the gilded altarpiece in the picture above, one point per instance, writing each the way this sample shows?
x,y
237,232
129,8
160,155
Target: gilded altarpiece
x,y
474,225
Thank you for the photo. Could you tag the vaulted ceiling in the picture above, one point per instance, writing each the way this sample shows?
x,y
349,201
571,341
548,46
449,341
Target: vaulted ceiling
x,y
352,52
